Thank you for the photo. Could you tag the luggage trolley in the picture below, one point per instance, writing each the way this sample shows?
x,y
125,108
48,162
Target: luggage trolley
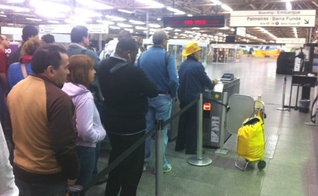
x,y
245,109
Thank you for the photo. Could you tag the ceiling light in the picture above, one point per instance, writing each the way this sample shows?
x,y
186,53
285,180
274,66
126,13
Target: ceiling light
x,y
105,22
77,22
80,17
168,28
140,28
2,15
114,27
34,19
177,30
151,3
176,11
227,8
217,2
115,18
123,25
53,21
154,25
190,15
136,22
125,11
158,19
195,28
14,8
288,6
94,4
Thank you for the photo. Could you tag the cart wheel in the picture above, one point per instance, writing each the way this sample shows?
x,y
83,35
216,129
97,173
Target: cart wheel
x,y
261,165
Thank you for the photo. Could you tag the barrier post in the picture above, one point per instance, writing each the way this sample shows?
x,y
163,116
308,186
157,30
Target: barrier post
x,y
75,190
159,159
283,108
199,160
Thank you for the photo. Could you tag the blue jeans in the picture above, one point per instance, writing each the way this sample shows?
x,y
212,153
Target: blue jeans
x,y
32,189
159,109
86,156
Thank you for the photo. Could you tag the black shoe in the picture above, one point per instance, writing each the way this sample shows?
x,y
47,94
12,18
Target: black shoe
x,y
194,152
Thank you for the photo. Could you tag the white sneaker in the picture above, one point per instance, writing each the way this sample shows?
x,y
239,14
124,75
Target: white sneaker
x,y
144,168
167,169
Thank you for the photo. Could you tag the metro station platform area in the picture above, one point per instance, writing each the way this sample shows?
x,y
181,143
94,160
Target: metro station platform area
x,y
291,147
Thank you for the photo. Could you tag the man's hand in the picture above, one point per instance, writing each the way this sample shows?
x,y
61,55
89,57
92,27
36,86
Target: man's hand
x,y
71,182
215,81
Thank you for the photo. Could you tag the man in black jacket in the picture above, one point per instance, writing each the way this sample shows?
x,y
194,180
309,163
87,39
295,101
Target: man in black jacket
x,y
125,89
27,32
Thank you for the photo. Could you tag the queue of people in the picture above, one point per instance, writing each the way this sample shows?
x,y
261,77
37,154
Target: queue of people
x,y
61,103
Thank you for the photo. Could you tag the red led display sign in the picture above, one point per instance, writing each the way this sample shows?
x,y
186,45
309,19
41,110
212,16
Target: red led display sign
x,y
195,21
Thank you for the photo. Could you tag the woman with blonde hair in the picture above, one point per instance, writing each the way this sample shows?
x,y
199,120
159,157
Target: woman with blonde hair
x,y
20,70
87,120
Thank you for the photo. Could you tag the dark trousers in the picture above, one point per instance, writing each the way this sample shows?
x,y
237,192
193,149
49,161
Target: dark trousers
x,y
187,130
125,177
32,189
86,156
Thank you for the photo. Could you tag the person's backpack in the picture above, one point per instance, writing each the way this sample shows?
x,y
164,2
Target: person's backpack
x,y
167,57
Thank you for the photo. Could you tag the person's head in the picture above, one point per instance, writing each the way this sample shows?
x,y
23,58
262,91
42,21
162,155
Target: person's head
x,y
51,61
28,32
81,70
4,42
160,38
79,34
127,48
123,34
48,39
30,46
192,49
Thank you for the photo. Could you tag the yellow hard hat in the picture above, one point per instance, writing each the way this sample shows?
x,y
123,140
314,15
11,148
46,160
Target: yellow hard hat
x,y
191,48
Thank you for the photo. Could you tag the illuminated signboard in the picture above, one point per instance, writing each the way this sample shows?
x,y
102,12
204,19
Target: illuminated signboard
x,y
194,21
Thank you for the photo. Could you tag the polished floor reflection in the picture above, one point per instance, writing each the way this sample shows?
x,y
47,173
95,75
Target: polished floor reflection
x,y
291,157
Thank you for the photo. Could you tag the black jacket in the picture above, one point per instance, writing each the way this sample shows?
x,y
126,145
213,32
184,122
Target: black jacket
x,y
125,94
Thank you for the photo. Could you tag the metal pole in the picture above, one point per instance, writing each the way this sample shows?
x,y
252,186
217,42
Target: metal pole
x,y
199,160
147,25
283,108
159,159
221,140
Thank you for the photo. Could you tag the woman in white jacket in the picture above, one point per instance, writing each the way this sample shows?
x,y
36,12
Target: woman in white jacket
x,y
87,120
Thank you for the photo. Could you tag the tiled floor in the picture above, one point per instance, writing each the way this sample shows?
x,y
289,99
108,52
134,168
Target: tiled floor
x,y
291,169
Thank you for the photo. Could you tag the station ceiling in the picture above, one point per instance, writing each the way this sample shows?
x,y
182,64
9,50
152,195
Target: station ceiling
x,y
143,9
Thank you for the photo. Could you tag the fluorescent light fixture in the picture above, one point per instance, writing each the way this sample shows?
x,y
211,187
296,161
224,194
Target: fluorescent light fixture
x,y
77,22
168,28
50,14
288,6
115,18
87,12
295,32
105,22
130,30
140,28
125,11
158,19
2,15
195,28
136,22
190,15
53,21
94,4
177,30
80,18
34,19
123,25
114,27
49,6
217,2
151,3
176,11
14,8
226,7
154,25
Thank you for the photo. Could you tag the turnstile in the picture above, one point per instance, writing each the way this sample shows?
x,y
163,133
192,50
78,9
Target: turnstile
x,y
214,119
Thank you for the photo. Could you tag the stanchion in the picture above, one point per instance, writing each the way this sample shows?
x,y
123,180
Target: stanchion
x,y
159,159
199,160
283,108
75,190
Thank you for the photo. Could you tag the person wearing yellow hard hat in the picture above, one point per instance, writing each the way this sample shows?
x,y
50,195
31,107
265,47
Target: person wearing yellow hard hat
x,y
192,81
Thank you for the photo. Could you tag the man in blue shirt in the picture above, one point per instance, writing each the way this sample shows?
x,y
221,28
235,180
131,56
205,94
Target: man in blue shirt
x,y
164,74
193,81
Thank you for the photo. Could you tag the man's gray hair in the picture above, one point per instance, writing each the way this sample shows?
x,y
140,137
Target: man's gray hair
x,y
159,36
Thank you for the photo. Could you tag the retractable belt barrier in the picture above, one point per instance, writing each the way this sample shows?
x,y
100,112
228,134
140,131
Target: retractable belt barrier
x,y
127,152
227,107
